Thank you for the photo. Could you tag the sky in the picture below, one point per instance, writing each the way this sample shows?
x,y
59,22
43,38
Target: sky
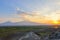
x,y
34,10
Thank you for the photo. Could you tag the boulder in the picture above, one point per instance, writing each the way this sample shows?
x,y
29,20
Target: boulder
x,y
30,36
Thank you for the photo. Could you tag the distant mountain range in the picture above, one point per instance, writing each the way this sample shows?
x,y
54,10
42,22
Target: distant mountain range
x,y
23,23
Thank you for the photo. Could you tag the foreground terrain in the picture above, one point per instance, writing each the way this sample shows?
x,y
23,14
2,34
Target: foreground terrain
x,y
21,32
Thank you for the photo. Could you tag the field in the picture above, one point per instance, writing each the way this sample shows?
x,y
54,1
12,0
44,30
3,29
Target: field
x,y
4,31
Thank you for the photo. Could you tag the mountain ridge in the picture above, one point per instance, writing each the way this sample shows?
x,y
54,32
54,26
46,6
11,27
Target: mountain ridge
x,y
23,23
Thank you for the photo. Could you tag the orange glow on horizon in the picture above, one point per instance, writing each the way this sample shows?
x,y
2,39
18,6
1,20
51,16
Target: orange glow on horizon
x,y
53,22
52,19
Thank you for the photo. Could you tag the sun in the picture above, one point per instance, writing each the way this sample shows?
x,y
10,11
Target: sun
x,y
54,18
55,21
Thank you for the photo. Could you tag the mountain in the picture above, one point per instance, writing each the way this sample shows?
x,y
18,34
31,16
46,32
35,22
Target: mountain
x,y
23,23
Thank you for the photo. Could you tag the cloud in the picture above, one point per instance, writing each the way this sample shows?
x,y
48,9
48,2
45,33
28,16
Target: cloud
x,y
34,17
43,16
49,11
38,17
2,20
15,20
18,9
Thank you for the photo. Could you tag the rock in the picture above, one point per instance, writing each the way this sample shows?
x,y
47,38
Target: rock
x,y
46,38
23,36
30,36
55,36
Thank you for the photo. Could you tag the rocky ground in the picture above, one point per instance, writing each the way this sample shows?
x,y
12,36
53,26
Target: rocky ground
x,y
54,34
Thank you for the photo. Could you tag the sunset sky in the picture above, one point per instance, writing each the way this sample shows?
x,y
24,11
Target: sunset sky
x,y
39,11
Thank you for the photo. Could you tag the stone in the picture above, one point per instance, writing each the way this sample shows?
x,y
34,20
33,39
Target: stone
x,y
55,36
30,36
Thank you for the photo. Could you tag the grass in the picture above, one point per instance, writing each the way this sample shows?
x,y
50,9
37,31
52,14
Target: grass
x,y
4,31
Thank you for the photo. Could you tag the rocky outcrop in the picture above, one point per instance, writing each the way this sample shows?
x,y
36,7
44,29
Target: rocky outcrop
x,y
23,36
55,36
33,36
30,36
